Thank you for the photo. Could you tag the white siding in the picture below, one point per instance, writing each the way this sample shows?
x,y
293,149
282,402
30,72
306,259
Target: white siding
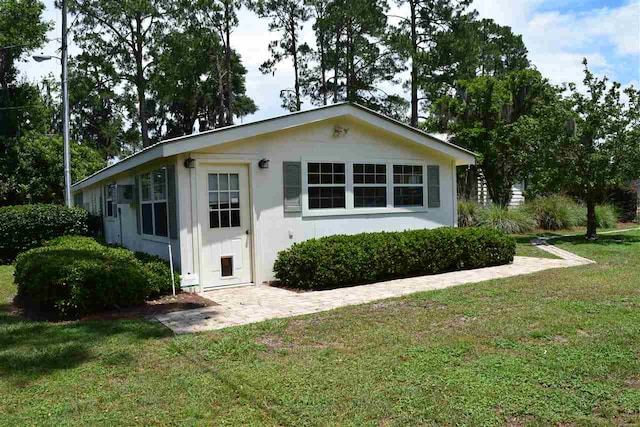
x,y
275,230
517,194
122,230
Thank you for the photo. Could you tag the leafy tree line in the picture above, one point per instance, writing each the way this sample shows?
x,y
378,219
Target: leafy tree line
x,y
150,70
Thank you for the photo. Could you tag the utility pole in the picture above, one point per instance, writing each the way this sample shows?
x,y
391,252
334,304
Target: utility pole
x,y
65,109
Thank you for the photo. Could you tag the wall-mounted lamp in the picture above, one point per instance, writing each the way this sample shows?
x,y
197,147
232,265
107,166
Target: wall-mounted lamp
x,y
190,163
263,164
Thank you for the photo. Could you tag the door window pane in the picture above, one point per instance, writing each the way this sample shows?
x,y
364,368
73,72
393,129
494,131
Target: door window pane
x,y
213,182
223,180
233,182
214,219
224,219
235,218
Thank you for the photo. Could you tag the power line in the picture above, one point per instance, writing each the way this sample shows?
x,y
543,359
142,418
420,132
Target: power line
x,y
19,107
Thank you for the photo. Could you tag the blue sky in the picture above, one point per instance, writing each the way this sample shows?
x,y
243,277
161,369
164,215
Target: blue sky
x,y
557,33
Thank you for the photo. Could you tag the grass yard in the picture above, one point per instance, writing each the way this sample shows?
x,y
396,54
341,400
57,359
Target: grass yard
x,y
557,347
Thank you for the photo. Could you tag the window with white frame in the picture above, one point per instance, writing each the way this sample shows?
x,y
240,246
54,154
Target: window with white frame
x,y
153,203
326,185
408,187
369,185
109,200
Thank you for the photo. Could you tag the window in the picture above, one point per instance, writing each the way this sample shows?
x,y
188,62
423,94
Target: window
x,y
407,186
224,200
153,201
369,185
326,185
110,193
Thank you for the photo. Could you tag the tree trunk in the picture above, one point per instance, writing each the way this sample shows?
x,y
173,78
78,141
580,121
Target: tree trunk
x,y
349,63
337,66
227,58
294,53
591,219
323,70
414,66
141,85
219,122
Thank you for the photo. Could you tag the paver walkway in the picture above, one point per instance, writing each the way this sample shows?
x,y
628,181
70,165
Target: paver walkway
x,y
249,304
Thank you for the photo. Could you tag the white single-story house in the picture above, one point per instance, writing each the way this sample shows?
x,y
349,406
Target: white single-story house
x,y
228,200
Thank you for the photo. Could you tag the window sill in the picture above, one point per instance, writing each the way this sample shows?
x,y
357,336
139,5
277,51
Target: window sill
x,y
152,238
362,211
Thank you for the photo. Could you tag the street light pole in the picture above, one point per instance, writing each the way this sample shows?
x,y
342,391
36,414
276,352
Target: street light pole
x,y
65,109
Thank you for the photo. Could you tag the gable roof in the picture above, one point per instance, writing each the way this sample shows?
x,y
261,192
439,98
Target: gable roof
x,y
187,143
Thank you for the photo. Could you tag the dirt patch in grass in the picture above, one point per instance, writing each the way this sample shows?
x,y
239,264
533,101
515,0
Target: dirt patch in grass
x,y
633,382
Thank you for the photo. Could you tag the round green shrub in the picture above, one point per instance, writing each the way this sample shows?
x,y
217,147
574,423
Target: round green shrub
x,y
29,226
509,221
72,275
347,260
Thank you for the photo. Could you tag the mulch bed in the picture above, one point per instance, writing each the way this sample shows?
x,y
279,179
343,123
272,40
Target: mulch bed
x,y
166,304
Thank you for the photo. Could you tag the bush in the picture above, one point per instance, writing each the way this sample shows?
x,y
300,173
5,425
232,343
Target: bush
x,y
606,216
468,212
73,275
509,221
555,212
342,260
29,226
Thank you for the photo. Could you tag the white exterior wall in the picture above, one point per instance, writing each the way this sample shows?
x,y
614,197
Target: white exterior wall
x,y
122,230
274,230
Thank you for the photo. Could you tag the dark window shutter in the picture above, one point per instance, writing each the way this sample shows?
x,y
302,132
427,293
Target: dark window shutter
x,y
433,189
173,205
292,186
136,201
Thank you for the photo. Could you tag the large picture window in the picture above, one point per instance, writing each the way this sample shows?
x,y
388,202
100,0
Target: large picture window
x,y
408,187
369,185
326,185
153,202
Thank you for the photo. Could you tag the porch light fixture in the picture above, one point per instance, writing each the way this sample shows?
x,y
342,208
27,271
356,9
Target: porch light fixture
x,y
190,163
263,164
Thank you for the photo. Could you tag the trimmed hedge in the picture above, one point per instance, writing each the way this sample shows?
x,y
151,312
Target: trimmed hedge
x,y
29,226
346,260
72,275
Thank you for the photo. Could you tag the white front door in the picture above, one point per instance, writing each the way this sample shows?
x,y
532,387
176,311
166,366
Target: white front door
x,y
225,223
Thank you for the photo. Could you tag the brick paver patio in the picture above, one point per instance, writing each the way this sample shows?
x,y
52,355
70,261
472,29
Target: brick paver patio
x,y
248,304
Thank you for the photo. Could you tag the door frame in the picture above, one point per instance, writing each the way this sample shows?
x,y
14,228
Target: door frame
x,y
202,161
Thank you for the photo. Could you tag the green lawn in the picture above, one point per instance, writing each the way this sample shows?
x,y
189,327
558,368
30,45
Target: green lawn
x,y
556,347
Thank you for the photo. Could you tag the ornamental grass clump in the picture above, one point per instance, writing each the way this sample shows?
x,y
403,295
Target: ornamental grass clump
x,y
508,221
